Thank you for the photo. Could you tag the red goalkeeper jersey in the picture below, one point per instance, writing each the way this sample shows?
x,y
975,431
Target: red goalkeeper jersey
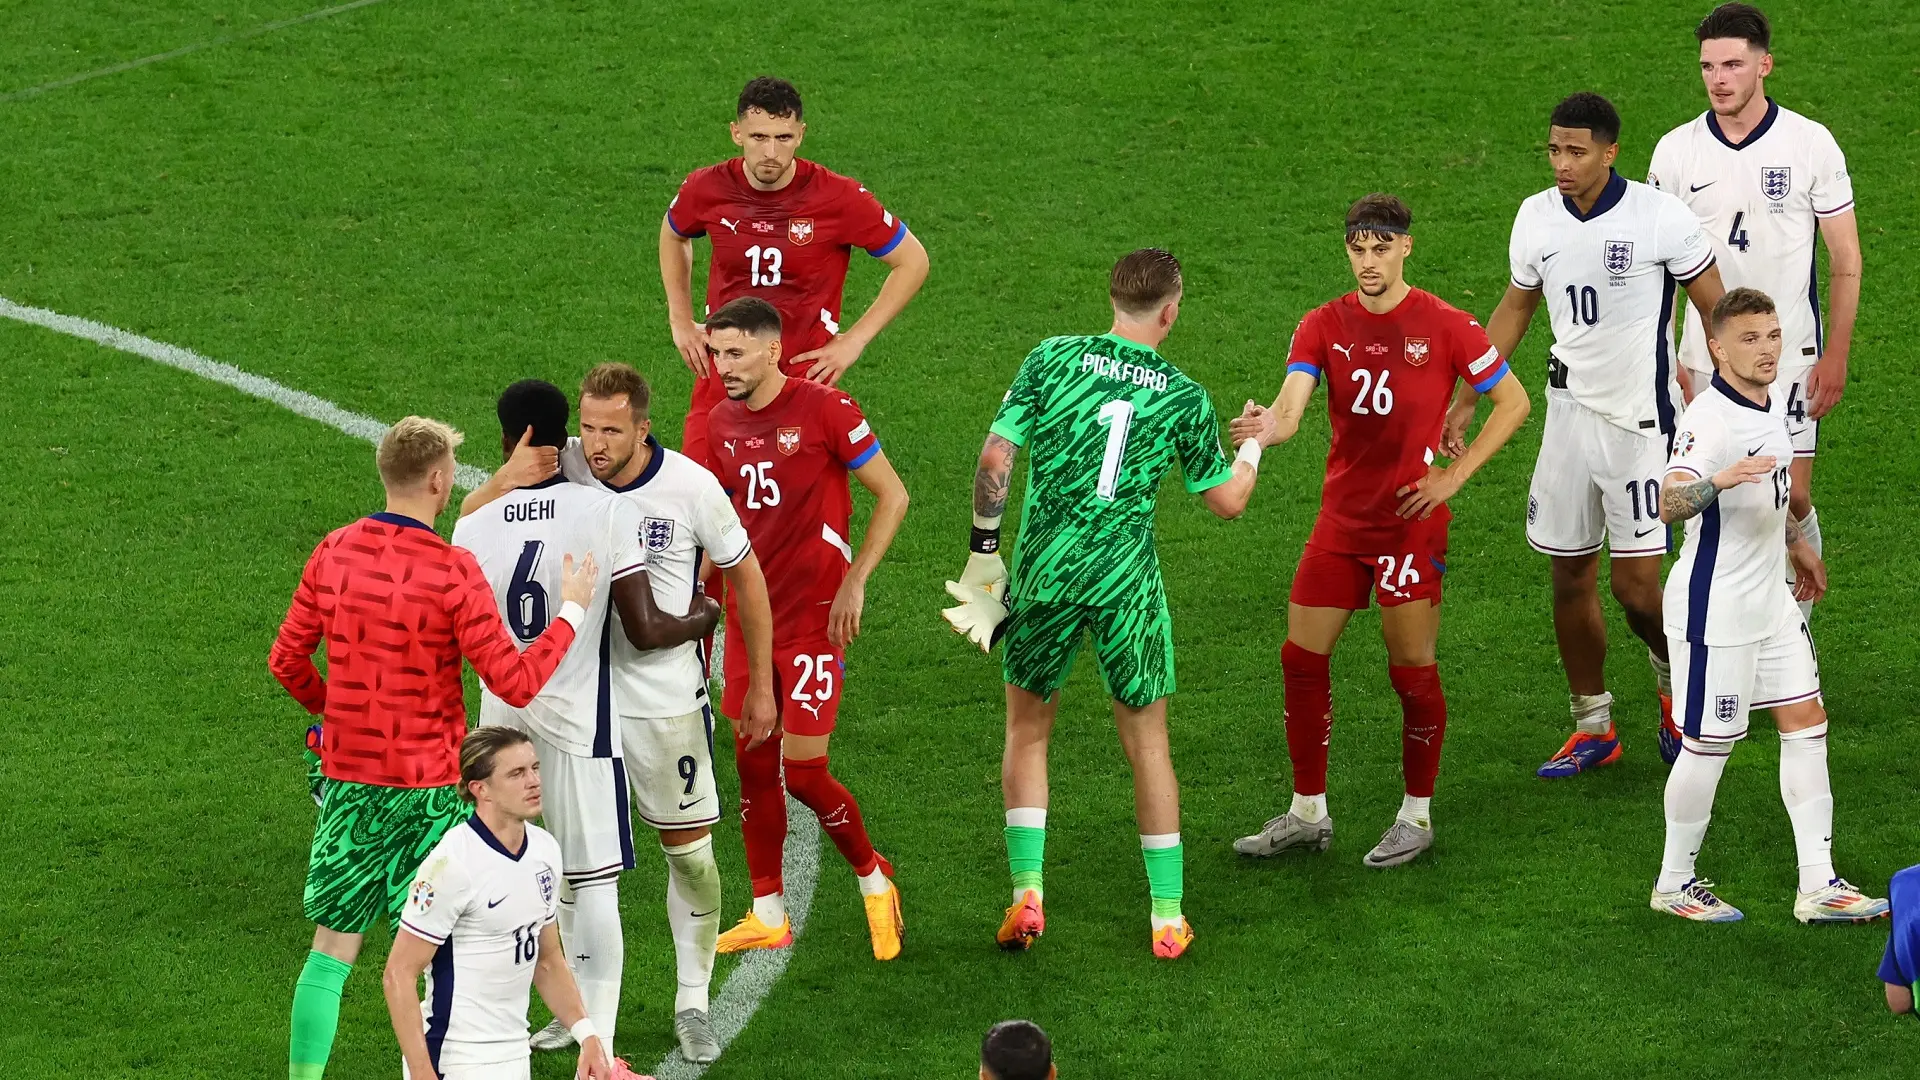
x,y
397,607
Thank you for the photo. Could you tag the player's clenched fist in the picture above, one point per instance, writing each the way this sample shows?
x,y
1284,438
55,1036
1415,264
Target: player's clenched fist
x,y
576,581
982,591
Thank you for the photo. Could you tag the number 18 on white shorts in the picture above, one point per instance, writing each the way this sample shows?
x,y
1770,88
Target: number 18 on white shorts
x,y
1595,483
1716,686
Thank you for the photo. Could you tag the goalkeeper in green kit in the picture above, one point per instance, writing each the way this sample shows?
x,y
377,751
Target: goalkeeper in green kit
x,y
1104,418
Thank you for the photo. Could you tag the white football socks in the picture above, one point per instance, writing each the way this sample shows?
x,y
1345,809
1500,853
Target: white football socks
x,y
590,931
1592,713
693,915
1808,793
1416,811
874,883
1689,804
771,908
1809,528
1310,808
1662,673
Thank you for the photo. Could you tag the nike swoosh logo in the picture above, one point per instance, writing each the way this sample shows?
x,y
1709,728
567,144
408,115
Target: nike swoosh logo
x,y
496,903
1645,532
695,802
1548,255
1702,187
700,914
1756,450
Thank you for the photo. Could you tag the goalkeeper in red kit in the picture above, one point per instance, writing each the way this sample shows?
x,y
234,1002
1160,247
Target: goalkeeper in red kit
x,y
1390,354
397,607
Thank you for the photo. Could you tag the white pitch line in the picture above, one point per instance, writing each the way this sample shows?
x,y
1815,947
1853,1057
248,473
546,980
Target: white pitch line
x,y
226,39
747,987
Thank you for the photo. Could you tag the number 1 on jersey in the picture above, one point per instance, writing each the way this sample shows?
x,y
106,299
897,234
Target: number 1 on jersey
x,y
1116,416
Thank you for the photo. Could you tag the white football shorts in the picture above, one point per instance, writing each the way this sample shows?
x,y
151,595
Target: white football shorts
x,y
1595,483
505,1070
670,768
584,805
1789,399
1716,687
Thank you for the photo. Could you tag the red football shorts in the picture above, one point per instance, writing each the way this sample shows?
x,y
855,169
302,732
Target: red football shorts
x,y
1411,571
806,682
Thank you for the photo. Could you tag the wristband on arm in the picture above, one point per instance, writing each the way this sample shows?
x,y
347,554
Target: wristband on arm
x,y
1249,453
582,1030
986,535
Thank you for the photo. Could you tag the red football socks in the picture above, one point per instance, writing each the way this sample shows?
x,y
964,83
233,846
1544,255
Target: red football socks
x,y
763,812
1308,703
839,814
1423,725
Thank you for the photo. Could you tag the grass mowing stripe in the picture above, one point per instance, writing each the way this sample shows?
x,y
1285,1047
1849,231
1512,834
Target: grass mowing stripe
x,y
129,65
297,401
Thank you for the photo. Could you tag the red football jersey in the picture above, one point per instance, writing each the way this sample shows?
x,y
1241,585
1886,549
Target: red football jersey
x,y
1389,381
785,467
789,246
397,607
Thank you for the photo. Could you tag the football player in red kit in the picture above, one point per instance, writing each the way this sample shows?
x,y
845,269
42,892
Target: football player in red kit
x,y
784,447
1390,354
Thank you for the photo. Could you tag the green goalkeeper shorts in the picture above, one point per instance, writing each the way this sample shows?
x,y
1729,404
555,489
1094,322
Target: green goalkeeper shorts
x,y
367,845
1134,644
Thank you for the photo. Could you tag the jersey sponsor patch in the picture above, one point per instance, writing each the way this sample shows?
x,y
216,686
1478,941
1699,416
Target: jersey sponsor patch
x,y
1486,361
1776,181
421,898
860,431
1683,444
658,533
1617,256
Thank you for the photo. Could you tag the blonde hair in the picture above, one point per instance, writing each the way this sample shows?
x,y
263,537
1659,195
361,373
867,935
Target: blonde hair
x,y
478,750
412,447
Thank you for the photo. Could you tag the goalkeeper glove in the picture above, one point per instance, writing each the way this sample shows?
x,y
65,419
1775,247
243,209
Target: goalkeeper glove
x,y
981,590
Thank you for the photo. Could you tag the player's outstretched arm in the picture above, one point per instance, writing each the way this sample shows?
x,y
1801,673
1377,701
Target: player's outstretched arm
x,y
1510,408
1684,495
982,588
749,587
877,475
1829,379
676,275
526,466
1505,327
648,627
516,677
562,995
1273,426
400,982
907,270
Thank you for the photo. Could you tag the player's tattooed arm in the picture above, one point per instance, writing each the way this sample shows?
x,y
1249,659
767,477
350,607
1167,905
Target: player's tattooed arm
x,y
993,477
1794,532
1682,500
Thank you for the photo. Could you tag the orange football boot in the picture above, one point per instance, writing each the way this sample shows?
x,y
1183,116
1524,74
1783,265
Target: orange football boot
x,y
750,933
885,925
1171,941
1025,921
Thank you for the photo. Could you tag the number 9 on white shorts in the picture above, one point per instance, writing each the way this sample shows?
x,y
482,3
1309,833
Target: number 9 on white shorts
x,y
669,764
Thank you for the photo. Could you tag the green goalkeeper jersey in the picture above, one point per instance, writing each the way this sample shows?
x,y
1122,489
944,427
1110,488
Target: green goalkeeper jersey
x,y
1102,419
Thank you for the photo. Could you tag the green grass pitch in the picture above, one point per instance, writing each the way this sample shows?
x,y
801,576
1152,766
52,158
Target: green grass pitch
x,y
407,206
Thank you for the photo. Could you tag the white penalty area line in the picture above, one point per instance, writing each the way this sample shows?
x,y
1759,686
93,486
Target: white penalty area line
x,y
225,39
738,998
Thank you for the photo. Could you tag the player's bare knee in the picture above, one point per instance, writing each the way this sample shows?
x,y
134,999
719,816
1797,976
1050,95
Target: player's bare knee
x,y
1575,578
1799,716
676,837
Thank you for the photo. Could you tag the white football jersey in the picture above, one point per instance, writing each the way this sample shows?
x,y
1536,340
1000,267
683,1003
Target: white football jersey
x,y
520,542
682,512
484,906
1609,279
1729,586
1761,201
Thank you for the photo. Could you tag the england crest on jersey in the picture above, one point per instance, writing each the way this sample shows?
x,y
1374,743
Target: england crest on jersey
x,y
545,880
657,532
1776,181
1618,256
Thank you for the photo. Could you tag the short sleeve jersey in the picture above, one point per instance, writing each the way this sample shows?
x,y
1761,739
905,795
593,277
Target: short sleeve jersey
x,y
1761,201
1609,279
789,246
484,907
785,468
1729,586
1389,381
1103,419
1900,966
521,542
681,513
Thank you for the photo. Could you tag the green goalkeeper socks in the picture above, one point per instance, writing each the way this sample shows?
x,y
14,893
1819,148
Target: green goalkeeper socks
x,y
316,1015
1166,864
1026,848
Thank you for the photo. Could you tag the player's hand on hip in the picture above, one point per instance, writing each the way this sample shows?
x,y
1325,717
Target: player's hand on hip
x,y
576,580
691,339
830,361
1748,470
530,464
757,719
1420,498
1453,437
1255,421
1809,572
1825,383
843,619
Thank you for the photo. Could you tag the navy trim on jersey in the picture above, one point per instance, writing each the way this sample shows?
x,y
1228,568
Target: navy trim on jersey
x,y
1712,261
1663,362
623,813
1813,301
700,644
1713,125
1737,397
494,841
1610,197
603,696
442,975
402,520
1696,703
681,233
865,455
653,466
706,716
899,234
1700,588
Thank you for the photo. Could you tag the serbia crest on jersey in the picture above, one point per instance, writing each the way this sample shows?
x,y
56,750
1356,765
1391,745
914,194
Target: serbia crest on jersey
x,y
1609,278
785,467
520,542
789,246
484,906
1761,200
1389,381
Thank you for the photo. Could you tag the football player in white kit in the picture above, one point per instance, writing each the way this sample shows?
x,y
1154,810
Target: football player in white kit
x,y
661,694
1605,254
479,922
1738,641
1764,179
573,719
